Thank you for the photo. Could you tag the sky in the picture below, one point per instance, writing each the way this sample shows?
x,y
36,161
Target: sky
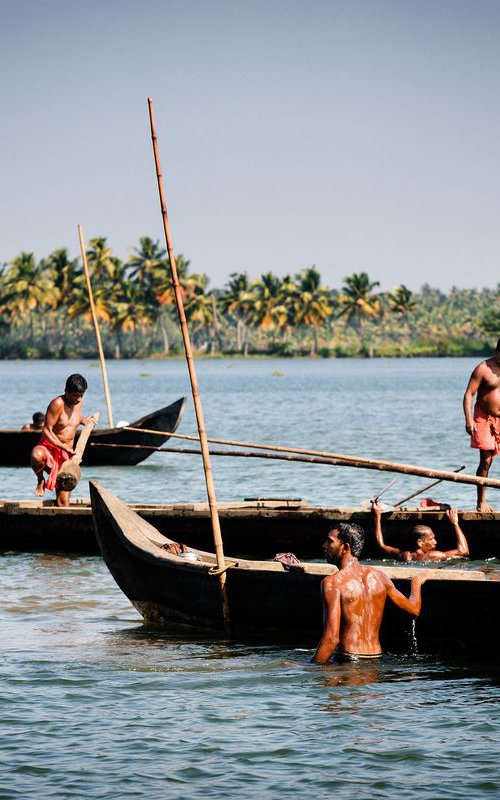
x,y
355,135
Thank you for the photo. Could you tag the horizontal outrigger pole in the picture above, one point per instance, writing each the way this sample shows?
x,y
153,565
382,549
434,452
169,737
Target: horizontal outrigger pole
x,y
332,460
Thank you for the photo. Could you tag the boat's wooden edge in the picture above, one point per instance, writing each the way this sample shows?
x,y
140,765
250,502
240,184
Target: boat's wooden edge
x,y
144,536
143,421
258,509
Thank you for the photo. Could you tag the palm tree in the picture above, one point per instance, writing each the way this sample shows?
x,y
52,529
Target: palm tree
x,y
103,265
265,296
146,263
400,300
357,301
311,303
198,305
236,301
163,291
27,287
129,312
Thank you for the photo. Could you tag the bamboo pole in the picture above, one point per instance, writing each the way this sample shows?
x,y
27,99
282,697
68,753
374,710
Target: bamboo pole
x,y
96,325
424,489
344,459
381,466
207,466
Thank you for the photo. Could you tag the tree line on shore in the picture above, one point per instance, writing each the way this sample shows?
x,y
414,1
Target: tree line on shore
x,y
45,311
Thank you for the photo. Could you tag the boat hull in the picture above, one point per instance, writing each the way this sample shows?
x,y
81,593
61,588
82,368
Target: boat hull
x,y
264,599
251,529
16,446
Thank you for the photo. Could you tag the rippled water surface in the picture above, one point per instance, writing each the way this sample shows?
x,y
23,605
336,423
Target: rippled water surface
x,y
96,705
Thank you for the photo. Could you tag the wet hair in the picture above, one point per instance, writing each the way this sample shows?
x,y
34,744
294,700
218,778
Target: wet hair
x,y
352,534
417,533
76,383
38,418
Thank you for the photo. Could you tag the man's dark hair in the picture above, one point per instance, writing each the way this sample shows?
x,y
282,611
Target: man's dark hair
x,y
498,345
76,383
38,417
352,534
417,533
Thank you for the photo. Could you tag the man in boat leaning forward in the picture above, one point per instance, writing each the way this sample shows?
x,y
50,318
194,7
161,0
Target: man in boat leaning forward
x,y
354,599
56,444
483,426
424,540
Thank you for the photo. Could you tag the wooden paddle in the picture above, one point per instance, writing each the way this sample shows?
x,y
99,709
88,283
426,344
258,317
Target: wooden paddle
x,y
70,472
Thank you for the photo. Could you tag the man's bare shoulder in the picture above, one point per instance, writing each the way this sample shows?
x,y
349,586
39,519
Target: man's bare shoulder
x,y
57,404
482,367
375,571
335,579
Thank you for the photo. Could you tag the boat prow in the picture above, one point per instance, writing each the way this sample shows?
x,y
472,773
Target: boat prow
x,y
16,446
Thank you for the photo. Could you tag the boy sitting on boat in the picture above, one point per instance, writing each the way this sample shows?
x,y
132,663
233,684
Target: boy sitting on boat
x,y
56,444
424,540
37,423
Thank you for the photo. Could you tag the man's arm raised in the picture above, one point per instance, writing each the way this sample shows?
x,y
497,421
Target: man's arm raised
x,y
462,548
377,515
411,604
331,620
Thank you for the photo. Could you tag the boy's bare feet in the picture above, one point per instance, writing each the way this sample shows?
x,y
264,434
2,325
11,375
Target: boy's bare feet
x,y
40,487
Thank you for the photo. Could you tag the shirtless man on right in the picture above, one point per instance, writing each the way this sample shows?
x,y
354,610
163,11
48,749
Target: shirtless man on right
x,y
354,599
483,426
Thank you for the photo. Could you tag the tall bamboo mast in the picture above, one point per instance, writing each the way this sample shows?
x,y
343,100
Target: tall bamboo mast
x,y
96,326
207,466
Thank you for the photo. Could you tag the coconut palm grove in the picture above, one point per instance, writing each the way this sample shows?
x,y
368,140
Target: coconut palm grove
x,y
45,312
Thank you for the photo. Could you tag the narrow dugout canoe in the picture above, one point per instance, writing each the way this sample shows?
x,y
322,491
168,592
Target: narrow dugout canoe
x,y
16,446
255,529
264,598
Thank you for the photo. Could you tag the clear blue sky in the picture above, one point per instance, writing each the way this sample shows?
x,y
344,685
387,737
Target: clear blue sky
x,y
352,135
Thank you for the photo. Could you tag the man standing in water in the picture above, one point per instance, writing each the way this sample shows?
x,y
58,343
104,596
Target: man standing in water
x,y
483,426
354,599
56,445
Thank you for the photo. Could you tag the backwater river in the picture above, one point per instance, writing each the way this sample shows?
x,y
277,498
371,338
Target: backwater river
x,y
97,705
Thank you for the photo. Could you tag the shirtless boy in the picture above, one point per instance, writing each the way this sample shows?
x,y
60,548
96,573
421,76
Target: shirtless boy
x,y
37,424
56,445
354,599
483,426
424,540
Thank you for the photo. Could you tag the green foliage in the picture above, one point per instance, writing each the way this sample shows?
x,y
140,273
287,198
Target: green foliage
x,y
45,312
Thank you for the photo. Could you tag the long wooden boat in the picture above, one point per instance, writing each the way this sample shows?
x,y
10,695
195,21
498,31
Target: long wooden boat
x,y
16,446
459,605
257,528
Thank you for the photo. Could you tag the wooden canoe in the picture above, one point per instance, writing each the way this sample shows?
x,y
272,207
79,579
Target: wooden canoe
x,y
458,606
16,446
256,529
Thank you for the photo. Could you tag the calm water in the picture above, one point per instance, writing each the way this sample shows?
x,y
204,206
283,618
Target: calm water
x,y
97,705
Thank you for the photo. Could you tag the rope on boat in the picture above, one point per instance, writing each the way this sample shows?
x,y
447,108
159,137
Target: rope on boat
x,y
215,571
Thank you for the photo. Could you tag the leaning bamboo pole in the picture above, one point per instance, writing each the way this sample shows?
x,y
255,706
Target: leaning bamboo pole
x,y
345,460
207,466
423,489
96,326
351,461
